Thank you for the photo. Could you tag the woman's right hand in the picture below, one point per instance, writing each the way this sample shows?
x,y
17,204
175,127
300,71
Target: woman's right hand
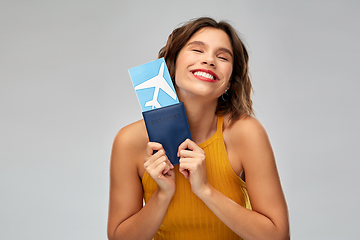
x,y
160,169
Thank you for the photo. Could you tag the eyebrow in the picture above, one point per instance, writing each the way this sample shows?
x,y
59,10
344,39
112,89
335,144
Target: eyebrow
x,y
203,44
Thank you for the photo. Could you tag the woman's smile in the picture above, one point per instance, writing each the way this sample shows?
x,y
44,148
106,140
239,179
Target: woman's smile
x,y
205,75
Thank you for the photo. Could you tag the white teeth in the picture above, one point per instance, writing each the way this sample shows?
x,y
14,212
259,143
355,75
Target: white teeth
x,y
204,74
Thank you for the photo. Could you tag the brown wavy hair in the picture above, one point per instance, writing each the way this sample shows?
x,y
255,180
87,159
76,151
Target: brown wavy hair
x,y
239,102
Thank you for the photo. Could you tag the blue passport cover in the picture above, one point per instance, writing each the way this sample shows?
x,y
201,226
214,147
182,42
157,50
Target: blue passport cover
x,y
168,126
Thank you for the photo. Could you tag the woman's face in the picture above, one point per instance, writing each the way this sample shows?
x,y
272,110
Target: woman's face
x,y
204,65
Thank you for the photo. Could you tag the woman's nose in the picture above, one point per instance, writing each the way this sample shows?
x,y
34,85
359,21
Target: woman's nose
x,y
209,60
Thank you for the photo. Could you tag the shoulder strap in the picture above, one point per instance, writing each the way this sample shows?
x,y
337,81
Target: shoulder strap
x,y
220,122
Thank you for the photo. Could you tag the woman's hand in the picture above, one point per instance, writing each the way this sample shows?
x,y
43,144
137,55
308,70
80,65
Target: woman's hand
x,y
193,166
158,166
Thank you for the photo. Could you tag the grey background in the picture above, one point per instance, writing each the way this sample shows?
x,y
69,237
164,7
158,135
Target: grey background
x,y
65,92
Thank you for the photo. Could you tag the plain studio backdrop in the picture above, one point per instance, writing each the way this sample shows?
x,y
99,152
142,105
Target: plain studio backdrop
x,y
65,92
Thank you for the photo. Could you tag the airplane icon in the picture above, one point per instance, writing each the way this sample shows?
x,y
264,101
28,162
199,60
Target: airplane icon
x,y
158,82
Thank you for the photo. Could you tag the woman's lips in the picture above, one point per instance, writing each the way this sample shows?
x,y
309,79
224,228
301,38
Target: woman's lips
x,y
205,75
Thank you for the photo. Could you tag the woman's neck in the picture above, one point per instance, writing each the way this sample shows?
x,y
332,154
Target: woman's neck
x,y
202,119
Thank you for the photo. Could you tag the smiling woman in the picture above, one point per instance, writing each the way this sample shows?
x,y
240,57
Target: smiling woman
x,y
240,89
207,195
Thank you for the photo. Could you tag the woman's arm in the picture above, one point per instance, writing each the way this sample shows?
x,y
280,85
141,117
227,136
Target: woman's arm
x,y
128,219
268,218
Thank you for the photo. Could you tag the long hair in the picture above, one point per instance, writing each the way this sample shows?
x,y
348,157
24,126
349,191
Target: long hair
x,y
239,102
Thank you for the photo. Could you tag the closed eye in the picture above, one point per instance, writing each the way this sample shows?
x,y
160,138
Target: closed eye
x,y
223,58
197,50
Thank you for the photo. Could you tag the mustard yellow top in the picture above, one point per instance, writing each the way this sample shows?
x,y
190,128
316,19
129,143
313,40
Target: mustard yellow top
x,y
187,216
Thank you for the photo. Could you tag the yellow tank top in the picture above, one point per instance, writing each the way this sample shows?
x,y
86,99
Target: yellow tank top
x,y
187,216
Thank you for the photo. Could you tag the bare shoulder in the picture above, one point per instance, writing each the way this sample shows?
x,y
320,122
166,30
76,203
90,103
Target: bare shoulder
x,y
129,147
245,138
245,127
133,135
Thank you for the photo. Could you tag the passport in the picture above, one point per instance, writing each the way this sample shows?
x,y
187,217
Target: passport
x,y
168,126
164,116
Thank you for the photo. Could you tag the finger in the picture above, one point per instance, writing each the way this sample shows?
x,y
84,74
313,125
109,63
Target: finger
x,y
156,155
190,154
170,164
164,163
184,145
186,164
159,154
155,163
189,145
168,167
168,171
162,168
184,172
153,146
150,162
191,164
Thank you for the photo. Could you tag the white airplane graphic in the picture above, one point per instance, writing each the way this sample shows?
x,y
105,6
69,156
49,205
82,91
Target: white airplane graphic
x,y
157,82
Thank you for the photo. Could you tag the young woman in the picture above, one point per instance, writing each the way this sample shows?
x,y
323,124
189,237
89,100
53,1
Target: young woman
x,y
226,185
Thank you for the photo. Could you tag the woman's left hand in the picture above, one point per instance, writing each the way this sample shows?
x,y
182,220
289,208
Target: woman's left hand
x,y
193,165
